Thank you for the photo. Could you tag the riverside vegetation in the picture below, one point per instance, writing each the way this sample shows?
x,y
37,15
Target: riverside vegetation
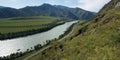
x,y
24,26
36,48
96,39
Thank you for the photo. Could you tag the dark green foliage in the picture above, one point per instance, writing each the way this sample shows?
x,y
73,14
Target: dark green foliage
x,y
37,47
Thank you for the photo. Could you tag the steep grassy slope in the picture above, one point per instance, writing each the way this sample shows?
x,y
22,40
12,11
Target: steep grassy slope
x,y
97,39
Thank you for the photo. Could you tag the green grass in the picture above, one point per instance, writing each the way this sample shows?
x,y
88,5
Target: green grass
x,y
92,40
25,23
26,55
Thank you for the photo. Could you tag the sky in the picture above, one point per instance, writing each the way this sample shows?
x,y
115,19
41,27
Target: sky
x,y
90,5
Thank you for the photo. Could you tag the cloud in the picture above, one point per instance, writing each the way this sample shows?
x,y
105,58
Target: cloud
x,y
92,5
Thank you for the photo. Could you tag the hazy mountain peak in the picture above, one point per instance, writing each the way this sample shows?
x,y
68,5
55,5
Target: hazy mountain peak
x,y
46,4
2,7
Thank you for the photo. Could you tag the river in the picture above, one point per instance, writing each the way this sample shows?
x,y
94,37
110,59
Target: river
x,y
23,43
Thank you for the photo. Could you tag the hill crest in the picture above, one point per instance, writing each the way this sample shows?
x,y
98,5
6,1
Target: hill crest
x,y
47,10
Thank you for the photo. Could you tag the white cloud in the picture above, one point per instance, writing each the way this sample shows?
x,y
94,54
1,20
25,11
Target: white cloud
x,y
92,5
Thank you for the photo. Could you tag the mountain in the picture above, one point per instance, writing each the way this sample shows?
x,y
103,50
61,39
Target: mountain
x,y
95,39
11,12
1,7
78,12
47,10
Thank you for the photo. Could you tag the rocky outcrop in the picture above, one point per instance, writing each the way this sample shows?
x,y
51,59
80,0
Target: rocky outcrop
x,y
118,4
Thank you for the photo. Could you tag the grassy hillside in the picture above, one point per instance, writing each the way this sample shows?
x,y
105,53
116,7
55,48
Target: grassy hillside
x,y
97,39
29,25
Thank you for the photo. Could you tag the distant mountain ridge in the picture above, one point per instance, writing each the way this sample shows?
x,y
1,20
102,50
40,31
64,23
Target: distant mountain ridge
x,y
47,10
2,7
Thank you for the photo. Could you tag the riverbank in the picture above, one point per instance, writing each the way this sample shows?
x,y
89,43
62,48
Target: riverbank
x,y
26,43
28,56
39,46
28,32
12,29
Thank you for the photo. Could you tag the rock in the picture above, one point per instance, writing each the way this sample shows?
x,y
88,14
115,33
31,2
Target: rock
x,y
118,4
118,28
18,50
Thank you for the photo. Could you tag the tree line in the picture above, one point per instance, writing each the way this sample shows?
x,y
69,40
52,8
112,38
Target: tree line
x,y
12,35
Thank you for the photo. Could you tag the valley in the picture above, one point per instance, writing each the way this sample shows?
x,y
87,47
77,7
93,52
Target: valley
x,y
24,26
96,39
57,32
24,44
